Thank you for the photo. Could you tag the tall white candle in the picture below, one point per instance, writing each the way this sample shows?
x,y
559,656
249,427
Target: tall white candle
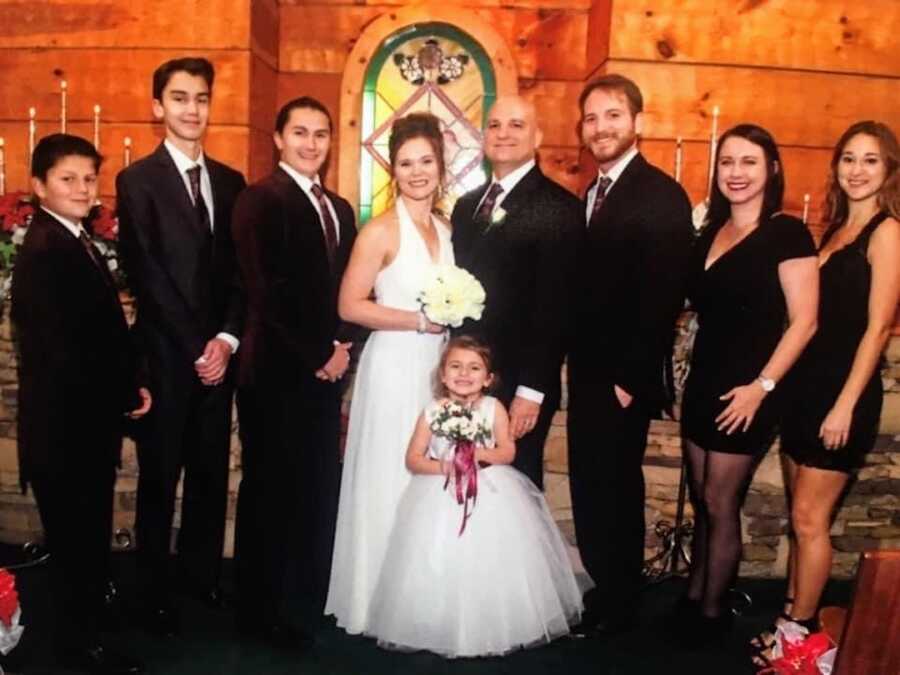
x,y
63,90
127,143
714,139
805,208
32,131
97,127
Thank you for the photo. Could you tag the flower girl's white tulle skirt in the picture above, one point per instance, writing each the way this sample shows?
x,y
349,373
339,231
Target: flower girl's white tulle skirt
x,y
505,583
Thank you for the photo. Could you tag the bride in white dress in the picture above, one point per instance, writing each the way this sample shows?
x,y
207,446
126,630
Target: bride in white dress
x,y
392,256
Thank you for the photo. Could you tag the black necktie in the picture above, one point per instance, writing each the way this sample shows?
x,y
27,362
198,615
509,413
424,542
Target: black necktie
x,y
487,206
602,186
199,203
327,221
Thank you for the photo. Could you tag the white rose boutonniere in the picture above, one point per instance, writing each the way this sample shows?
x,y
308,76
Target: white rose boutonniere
x,y
699,215
497,219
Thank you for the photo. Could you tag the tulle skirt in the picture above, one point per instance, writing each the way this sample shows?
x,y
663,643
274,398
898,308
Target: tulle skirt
x,y
506,582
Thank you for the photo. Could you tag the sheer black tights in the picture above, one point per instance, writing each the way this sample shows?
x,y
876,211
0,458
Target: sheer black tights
x,y
718,482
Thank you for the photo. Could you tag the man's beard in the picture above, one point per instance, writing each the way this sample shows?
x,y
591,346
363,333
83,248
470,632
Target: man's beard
x,y
610,154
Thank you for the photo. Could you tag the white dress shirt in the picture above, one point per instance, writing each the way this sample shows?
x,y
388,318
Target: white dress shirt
x,y
183,163
75,228
508,182
613,174
306,184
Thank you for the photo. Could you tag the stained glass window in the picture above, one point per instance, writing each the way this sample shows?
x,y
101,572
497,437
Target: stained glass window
x,y
431,67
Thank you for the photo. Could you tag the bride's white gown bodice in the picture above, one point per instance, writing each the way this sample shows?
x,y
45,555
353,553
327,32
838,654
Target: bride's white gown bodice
x,y
393,385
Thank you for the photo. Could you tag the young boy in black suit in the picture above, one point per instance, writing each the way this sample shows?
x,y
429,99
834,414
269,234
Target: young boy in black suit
x,y
77,382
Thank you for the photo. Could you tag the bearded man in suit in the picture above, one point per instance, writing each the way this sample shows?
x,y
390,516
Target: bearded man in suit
x,y
632,270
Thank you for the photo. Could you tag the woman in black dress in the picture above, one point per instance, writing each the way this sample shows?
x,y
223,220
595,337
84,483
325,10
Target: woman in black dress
x,y
754,271
835,390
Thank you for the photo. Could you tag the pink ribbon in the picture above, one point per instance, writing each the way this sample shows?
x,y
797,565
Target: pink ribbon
x,y
465,474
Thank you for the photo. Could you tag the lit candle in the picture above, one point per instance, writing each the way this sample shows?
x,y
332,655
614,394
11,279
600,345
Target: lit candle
x,y
805,208
97,127
32,130
714,139
127,142
679,158
2,168
63,87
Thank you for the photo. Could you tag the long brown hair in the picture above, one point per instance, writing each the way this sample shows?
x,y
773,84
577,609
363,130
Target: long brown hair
x,y
836,208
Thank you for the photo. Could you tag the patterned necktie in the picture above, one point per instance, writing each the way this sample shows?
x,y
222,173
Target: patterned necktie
x,y
602,186
328,224
199,203
487,206
92,252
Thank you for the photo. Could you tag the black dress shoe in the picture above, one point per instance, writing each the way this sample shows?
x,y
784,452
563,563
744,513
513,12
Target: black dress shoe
x,y
99,660
162,622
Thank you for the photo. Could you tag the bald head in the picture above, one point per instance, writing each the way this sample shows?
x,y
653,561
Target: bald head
x,y
511,136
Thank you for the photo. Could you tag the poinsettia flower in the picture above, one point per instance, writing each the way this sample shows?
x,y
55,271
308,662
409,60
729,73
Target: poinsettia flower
x,y
9,599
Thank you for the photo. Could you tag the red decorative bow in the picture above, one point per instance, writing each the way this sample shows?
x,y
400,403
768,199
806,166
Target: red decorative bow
x,y
465,475
799,658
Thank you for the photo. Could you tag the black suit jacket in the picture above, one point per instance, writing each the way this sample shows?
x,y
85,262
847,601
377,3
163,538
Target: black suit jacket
x,y
291,287
526,265
77,367
633,270
184,278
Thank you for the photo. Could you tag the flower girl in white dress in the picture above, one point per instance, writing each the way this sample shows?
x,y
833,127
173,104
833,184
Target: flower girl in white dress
x,y
485,575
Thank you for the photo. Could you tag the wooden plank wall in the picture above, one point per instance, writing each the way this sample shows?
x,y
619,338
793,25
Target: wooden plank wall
x,y
804,69
107,53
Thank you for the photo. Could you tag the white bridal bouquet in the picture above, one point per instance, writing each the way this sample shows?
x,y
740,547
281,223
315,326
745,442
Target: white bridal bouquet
x,y
451,295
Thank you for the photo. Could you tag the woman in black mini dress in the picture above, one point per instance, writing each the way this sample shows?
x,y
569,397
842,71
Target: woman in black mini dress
x,y
753,284
834,391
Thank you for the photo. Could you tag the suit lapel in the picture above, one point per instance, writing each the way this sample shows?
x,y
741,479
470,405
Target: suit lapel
x,y
173,185
521,192
307,217
98,272
620,191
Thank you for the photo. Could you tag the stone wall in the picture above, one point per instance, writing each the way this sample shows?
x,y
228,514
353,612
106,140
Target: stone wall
x,y
869,517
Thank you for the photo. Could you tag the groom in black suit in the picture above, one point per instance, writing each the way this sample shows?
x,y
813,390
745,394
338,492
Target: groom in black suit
x,y
632,274
293,241
518,234
175,230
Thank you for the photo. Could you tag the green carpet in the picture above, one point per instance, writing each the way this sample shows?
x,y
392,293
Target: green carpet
x,y
209,644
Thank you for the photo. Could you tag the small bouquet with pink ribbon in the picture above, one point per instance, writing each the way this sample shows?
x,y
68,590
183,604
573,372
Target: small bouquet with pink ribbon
x,y
466,429
10,613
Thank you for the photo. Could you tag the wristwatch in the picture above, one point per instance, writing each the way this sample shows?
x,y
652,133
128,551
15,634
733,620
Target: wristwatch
x,y
767,383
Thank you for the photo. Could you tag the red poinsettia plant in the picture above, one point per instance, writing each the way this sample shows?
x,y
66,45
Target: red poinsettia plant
x,y
16,213
10,612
